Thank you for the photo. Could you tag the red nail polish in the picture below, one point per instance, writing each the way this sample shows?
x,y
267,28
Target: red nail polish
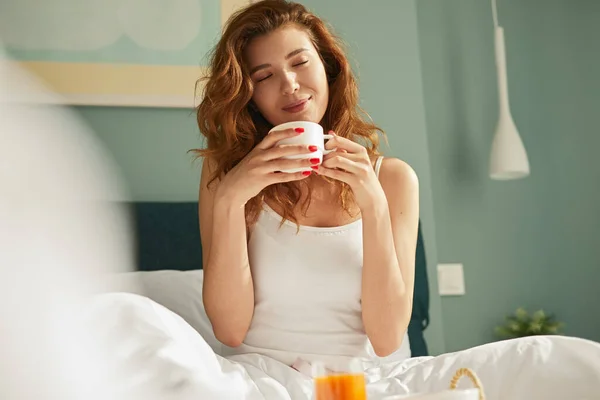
x,y
332,133
315,167
306,173
314,160
312,148
299,130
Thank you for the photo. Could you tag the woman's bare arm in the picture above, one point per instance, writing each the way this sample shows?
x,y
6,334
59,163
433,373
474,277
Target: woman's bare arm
x,y
390,238
227,292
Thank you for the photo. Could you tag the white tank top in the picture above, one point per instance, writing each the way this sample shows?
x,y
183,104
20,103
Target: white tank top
x,y
307,291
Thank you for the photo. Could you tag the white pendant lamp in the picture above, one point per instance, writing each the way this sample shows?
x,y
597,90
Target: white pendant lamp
x,y
508,159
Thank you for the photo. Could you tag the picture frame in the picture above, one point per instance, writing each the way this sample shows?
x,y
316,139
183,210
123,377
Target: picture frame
x,y
128,84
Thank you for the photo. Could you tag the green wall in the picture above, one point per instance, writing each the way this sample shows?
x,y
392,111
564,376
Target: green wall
x,y
150,144
532,242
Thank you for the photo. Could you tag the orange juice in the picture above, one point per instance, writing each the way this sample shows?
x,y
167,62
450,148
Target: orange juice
x,y
341,387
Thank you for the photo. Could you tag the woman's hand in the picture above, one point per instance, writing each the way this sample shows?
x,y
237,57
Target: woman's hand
x,y
351,164
261,167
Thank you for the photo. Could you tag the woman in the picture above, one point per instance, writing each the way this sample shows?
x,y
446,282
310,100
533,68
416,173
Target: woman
x,y
344,281
306,267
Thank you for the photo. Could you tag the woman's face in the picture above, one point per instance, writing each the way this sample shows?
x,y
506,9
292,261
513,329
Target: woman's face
x,y
289,77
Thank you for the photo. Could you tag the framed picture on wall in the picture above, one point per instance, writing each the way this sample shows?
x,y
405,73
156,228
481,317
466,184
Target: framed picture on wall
x,y
138,53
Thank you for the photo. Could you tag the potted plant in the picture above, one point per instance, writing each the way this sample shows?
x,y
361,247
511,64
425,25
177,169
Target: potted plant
x,y
521,324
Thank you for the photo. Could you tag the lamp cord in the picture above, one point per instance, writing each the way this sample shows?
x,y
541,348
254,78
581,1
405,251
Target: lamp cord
x,y
495,13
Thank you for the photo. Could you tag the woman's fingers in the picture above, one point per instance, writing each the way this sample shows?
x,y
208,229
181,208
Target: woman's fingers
x,y
286,150
272,138
280,177
351,156
347,162
340,143
283,164
336,174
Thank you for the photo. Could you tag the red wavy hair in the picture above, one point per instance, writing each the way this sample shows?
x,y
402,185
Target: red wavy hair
x,y
232,126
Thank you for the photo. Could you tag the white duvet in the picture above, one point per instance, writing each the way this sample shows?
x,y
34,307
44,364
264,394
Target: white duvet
x,y
155,354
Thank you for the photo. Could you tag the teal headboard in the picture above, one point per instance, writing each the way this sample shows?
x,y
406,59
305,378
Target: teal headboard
x,y
168,237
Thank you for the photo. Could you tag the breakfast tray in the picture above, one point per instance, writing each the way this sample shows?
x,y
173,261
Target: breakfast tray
x,y
472,376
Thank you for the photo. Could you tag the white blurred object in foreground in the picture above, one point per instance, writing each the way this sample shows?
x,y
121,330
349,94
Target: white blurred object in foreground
x,y
61,234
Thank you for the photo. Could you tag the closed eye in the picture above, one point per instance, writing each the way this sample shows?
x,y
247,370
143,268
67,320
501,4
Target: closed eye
x,y
266,77
294,65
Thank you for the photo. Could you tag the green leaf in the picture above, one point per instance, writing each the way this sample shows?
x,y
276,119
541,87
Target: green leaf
x,y
535,327
521,314
539,315
521,324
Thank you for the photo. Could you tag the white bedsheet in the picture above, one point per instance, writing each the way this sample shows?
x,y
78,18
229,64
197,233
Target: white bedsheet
x,y
157,355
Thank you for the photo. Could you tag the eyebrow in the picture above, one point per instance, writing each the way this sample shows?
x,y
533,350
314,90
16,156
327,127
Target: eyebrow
x,y
290,55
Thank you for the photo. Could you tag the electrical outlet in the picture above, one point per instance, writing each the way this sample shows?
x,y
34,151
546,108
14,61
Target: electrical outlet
x,y
451,279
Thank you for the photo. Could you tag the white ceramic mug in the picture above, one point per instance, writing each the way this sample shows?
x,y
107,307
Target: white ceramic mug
x,y
312,135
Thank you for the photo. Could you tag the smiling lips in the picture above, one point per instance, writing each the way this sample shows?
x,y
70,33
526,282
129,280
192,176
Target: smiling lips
x,y
297,106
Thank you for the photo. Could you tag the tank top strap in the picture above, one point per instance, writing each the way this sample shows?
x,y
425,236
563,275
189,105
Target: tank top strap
x,y
378,165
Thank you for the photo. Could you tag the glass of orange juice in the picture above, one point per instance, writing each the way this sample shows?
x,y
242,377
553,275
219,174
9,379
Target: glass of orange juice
x,y
349,384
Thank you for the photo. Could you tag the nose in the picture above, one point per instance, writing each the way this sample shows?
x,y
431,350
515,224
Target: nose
x,y
289,83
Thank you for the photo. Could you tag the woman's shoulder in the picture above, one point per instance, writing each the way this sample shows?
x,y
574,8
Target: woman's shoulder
x,y
397,172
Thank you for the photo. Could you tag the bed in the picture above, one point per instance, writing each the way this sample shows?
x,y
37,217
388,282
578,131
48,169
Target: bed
x,y
167,237
163,347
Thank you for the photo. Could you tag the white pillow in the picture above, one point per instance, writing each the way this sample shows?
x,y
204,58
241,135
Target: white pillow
x,y
179,291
